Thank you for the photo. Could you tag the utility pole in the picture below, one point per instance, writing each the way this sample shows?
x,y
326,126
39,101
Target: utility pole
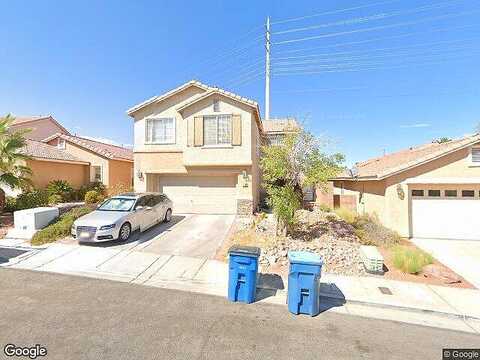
x,y
267,70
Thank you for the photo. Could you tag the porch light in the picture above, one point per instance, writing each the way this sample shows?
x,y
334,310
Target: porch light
x,y
139,174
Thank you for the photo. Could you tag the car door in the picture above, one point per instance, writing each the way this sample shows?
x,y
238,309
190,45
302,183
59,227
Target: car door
x,y
161,207
143,214
151,210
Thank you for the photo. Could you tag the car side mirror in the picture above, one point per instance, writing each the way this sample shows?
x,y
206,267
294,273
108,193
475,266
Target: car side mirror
x,y
138,208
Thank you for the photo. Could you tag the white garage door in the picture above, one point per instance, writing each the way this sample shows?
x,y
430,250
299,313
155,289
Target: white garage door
x,y
201,194
446,215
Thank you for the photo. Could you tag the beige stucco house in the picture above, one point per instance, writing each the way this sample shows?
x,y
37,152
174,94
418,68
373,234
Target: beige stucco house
x,y
200,145
429,191
109,164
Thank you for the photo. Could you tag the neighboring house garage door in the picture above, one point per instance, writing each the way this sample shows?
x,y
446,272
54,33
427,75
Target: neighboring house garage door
x,y
446,214
201,194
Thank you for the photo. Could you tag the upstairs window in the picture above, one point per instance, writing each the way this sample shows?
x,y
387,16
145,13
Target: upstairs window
x,y
217,130
160,131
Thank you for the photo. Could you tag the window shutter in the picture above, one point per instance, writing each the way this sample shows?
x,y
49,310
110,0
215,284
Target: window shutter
x,y
190,131
198,136
237,130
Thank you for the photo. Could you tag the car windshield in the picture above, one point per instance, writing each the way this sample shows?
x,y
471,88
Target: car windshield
x,y
117,204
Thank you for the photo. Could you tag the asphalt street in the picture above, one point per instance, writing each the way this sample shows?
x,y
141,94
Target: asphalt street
x,y
82,318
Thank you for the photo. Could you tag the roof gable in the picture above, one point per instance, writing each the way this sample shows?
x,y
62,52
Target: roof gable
x,y
108,151
391,164
40,124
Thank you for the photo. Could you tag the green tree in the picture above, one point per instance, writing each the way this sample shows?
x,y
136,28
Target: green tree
x,y
288,168
13,171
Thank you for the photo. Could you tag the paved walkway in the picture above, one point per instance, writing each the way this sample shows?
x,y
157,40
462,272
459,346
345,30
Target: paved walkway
x,y
461,256
458,308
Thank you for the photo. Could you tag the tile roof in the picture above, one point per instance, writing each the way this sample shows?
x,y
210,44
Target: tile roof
x,y
207,88
109,151
280,125
38,149
23,119
384,166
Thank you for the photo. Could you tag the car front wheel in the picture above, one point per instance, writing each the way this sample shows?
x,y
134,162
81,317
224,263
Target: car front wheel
x,y
168,216
125,232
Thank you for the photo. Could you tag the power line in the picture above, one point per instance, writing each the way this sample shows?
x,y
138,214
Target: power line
x,y
374,50
289,51
368,56
339,70
245,79
381,27
361,20
333,12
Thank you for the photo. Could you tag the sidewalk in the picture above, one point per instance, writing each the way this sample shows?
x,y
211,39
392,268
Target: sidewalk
x,y
366,296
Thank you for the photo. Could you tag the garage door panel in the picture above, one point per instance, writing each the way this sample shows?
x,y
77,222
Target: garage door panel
x,y
446,218
201,194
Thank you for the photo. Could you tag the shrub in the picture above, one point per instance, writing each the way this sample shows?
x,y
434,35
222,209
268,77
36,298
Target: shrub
x,y
59,228
92,197
55,199
346,215
10,204
119,188
59,187
325,208
32,199
97,186
410,261
371,232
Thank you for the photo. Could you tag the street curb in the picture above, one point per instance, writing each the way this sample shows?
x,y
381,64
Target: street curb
x,y
339,300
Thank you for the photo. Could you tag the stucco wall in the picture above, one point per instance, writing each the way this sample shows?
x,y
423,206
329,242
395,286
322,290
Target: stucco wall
x,y
91,157
120,172
46,171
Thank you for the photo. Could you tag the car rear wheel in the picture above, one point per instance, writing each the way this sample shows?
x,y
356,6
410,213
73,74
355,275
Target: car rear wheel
x,y
125,232
168,216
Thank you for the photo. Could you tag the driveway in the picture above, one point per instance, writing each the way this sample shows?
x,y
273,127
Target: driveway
x,y
461,256
191,235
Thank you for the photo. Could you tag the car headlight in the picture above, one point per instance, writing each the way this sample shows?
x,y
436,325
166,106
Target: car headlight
x,y
107,227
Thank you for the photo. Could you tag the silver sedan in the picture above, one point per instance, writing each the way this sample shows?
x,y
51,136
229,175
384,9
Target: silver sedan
x,y
117,217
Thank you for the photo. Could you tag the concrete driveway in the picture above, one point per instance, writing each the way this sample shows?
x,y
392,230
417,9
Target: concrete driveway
x,y
461,256
191,235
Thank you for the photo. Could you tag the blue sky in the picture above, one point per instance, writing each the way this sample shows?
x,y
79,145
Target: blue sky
x,y
371,76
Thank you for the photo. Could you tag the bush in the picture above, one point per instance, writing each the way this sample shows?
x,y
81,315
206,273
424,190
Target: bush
x,y
346,215
32,199
325,208
92,197
55,199
10,204
410,261
119,188
371,232
59,187
97,186
60,228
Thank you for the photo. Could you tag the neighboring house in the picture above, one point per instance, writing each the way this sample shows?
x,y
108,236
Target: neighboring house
x,y
49,163
275,130
429,191
109,164
200,145
41,127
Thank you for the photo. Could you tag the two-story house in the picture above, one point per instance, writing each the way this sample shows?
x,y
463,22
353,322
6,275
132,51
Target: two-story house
x,y
200,145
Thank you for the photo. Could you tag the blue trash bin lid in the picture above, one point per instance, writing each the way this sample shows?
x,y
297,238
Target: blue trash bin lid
x,y
251,251
304,257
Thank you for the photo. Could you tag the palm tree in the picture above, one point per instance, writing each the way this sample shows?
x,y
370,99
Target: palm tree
x,y
13,171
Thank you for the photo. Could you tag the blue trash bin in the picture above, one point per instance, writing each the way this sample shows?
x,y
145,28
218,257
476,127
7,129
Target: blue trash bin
x,y
304,282
242,276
